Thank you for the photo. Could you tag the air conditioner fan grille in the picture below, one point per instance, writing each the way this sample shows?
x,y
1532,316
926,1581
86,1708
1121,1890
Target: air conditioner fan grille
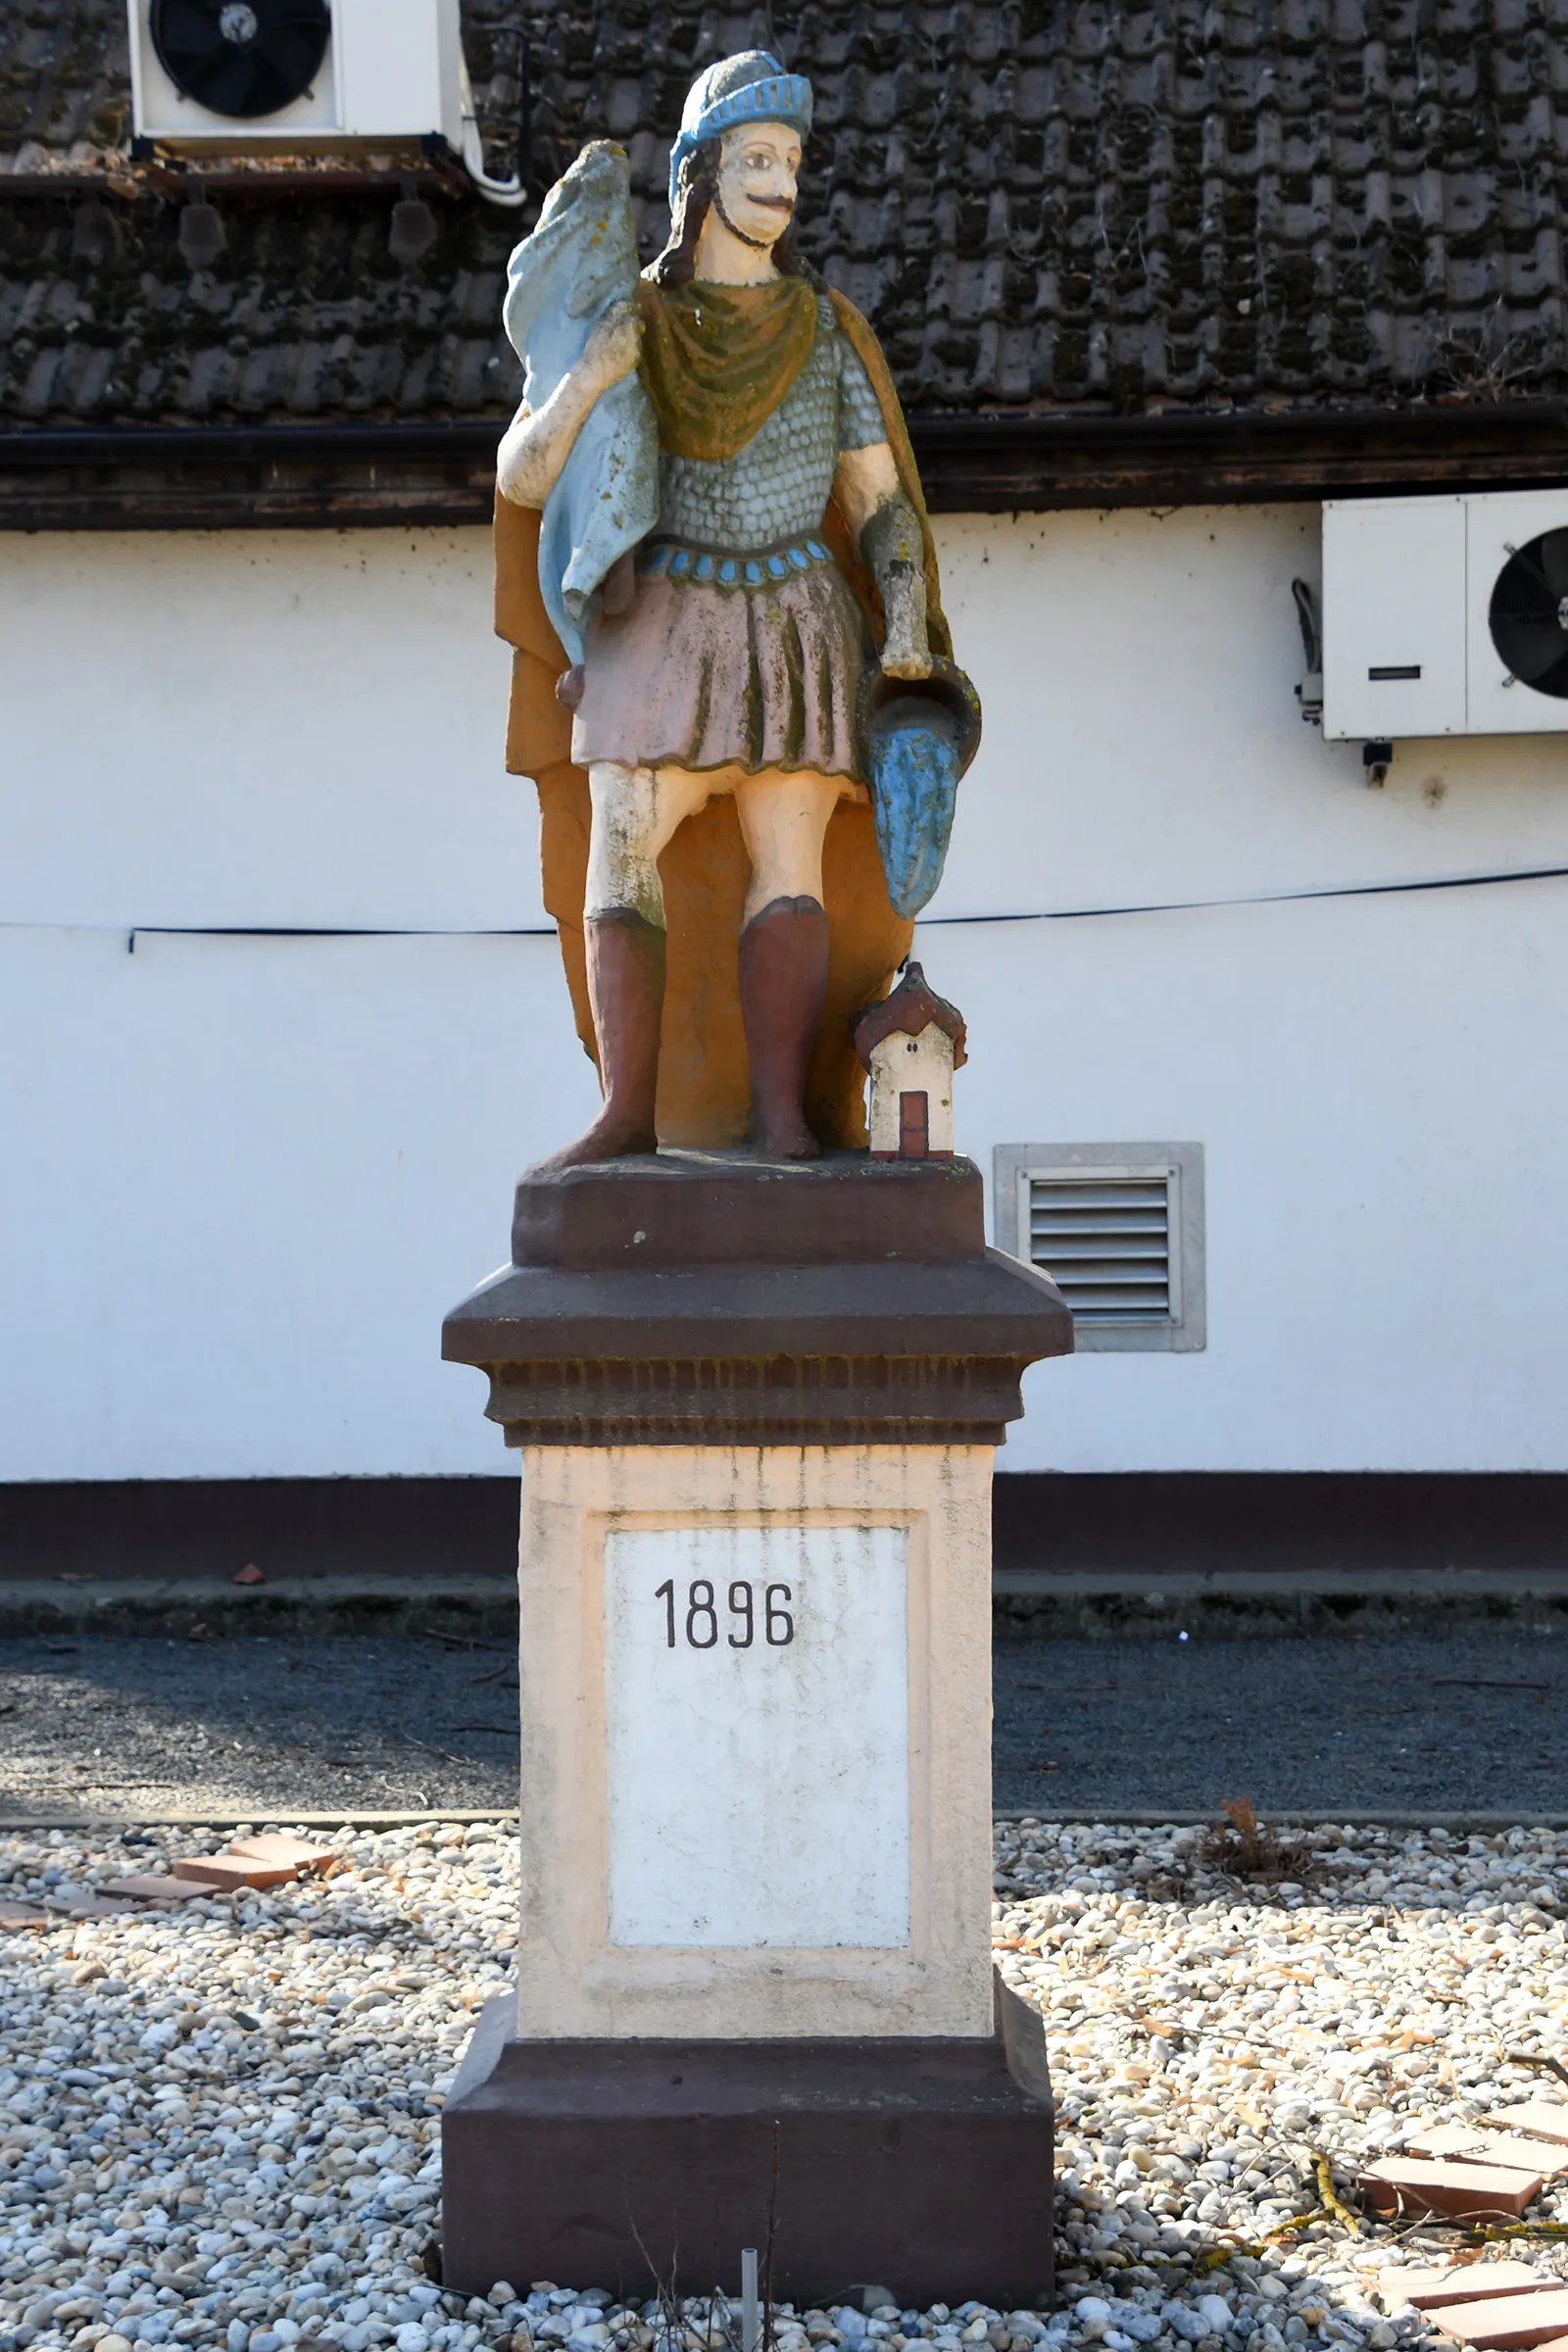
x,y
1529,613
241,57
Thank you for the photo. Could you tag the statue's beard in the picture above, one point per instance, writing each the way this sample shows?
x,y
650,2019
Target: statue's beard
x,y
756,244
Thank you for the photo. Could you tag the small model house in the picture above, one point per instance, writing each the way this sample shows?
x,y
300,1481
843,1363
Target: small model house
x,y
912,1042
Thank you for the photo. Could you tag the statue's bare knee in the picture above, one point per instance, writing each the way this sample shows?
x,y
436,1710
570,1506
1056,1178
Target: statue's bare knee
x,y
635,811
622,843
784,820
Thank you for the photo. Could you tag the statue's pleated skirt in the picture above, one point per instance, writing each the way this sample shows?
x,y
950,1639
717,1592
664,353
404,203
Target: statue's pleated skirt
x,y
699,675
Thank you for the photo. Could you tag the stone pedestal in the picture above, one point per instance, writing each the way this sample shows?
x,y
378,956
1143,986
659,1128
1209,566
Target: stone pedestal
x,y
923,2163
757,1406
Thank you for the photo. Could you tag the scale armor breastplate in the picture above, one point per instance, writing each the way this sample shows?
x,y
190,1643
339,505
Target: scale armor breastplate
x,y
776,487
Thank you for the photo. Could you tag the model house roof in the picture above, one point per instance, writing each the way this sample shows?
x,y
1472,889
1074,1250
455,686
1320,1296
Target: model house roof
x,y
1060,215
908,1011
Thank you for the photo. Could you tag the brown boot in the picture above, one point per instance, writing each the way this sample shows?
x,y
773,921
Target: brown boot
x,y
627,992
783,967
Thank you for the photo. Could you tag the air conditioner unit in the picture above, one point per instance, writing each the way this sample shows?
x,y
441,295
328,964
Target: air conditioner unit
x,y
214,78
1446,615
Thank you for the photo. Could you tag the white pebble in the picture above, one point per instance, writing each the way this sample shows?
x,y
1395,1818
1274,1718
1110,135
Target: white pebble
x,y
1205,2036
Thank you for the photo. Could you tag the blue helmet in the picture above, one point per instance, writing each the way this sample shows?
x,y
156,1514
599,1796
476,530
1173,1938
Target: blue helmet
x,y
750,88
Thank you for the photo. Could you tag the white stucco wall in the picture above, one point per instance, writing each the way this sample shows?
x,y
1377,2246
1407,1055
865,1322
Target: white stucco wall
x,y
290,727
245,1175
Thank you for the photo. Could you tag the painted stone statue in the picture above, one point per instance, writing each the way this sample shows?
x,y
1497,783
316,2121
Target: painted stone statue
x,y
713,560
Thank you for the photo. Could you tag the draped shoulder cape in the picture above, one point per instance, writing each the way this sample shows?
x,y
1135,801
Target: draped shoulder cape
x,y
713,378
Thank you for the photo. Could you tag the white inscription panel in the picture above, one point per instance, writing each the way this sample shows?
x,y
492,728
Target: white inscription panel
x,y
757,1715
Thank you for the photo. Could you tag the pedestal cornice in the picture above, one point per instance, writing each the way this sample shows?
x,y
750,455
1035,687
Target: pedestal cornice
x,y
690,1298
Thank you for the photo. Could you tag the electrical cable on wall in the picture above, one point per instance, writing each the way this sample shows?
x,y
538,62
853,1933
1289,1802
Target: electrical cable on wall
x,y
1050,914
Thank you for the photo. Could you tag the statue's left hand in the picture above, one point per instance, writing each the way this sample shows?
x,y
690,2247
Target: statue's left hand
x,y
535,447
902,665
613,349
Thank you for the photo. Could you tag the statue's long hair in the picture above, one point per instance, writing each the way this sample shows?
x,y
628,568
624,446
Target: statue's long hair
x,y
695,192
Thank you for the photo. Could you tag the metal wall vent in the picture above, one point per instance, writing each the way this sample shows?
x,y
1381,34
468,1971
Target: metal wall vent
x,y
1120,1228
1104,1236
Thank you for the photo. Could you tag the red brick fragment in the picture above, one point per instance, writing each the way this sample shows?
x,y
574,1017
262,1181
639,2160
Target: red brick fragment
x,y
272,1847
1468,2146
250,1574
1509,2323
1459,2283
22,1915
1468,2191
147,1887
1539,2119
228,1873
84,1902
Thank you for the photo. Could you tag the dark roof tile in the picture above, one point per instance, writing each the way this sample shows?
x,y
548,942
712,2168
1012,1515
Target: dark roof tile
x,y
1046,203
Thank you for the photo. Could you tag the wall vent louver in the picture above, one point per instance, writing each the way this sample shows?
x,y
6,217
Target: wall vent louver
x,y
1119,1229
1104,1240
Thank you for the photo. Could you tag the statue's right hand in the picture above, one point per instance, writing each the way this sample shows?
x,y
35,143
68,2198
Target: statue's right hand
x,y
613,349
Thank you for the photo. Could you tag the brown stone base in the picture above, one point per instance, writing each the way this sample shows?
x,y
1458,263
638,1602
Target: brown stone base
x,y
709,1298
923,2166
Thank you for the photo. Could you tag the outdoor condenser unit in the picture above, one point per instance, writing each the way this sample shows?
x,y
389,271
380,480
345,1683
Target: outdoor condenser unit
x,y
216,77
1445,616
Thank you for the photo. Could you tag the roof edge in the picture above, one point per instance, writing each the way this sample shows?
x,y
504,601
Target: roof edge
x,y
226,475
1016,461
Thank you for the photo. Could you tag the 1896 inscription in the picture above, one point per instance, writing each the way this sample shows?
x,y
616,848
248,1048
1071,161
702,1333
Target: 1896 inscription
x,y
727,1650
701,1614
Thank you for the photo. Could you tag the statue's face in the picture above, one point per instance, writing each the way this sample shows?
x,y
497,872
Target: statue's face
x,y
757,171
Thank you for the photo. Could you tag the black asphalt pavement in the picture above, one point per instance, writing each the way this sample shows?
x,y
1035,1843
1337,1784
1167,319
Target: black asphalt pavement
x,y
1448,1722
1417,1723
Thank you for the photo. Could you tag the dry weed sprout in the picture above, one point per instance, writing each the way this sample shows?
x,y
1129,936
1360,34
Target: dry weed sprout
x,y
1243,1847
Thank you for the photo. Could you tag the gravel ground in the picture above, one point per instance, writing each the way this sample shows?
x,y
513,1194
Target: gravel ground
x,y
1414,1723
218,2125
